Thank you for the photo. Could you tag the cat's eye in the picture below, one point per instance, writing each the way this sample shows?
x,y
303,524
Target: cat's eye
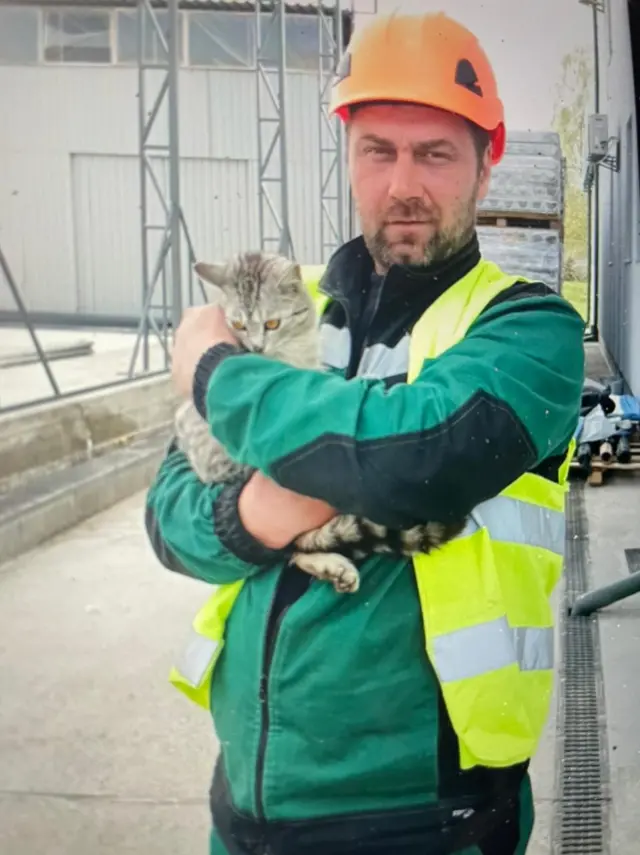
x,y
272,324
237,325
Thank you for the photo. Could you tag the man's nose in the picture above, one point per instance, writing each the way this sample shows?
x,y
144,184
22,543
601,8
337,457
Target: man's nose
x,y
405,182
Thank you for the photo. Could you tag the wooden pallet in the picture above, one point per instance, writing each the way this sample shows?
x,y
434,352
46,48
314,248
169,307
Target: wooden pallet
x,y
519,219
600,467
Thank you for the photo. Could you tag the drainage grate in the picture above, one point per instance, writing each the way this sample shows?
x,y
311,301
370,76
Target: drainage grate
x,y
581,819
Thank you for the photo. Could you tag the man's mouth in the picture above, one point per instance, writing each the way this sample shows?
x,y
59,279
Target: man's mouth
x,y
407,225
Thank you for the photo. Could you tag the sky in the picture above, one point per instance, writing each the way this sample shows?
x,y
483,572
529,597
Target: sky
x,y
525,41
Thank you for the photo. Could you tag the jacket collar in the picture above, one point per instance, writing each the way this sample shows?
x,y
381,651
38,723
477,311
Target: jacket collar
x,y
351,267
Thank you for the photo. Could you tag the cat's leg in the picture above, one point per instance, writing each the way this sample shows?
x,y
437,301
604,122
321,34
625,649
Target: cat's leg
x,y
330,567
425,538
318,555
365,537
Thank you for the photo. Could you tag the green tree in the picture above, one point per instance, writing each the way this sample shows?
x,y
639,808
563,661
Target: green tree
x,y
573,103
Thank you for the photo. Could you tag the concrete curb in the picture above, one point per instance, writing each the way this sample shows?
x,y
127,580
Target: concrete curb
x,y
47,505
61,432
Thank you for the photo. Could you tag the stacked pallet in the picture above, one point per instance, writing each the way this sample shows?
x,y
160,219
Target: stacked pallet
x,y
520,222
595,460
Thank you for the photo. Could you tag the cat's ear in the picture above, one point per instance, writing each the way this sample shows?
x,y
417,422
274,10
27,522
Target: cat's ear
x,y
292,280
214,274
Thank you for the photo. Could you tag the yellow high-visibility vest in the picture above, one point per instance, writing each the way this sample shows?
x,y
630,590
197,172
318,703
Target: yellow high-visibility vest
x,y
485,597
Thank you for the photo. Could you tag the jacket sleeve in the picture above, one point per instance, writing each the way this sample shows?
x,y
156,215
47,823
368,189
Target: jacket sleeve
x,y
498,403
195,528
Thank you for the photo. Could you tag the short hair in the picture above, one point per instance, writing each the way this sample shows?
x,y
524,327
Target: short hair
x,y
481,139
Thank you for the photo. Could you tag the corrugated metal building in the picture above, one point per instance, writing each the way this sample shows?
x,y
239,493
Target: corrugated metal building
x,y
617,211
70,220
69,144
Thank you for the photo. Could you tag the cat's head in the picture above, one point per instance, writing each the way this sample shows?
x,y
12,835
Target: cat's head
x,y
265,301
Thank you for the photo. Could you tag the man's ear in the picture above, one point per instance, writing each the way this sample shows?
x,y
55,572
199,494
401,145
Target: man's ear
x,y
484,174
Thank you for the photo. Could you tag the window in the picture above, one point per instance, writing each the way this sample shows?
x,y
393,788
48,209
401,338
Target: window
x,y
77,36
127,37
221,39
303,32
18,35
302,35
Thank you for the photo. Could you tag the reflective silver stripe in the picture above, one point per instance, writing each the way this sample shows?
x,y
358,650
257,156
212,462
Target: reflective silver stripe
x,y
335,346
534,647
489,646
380,361
513,521
196,658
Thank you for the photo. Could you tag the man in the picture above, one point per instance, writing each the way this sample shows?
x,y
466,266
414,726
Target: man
x,y
401,719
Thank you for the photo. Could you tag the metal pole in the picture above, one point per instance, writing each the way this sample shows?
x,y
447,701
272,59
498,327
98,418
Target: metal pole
x,y
275,231
261,190
142,121
26,320
174,163
592,601
339,130
330,138
286,244
594,286
165,154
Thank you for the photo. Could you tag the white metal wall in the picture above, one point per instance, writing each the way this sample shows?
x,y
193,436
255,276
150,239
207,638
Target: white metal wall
x,y
619,208
69,185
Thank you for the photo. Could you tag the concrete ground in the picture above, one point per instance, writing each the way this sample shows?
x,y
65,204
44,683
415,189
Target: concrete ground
x,y
98,754
614,527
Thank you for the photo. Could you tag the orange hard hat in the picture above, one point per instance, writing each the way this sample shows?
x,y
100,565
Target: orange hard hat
x,y
421,59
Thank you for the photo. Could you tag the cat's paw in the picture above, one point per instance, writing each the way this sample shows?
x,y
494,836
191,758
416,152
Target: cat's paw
x,y
329,567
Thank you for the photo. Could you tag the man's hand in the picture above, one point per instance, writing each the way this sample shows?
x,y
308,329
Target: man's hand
x,y
276,516
201,327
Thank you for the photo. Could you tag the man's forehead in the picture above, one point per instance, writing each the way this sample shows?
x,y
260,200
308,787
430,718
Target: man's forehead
x,y
406,121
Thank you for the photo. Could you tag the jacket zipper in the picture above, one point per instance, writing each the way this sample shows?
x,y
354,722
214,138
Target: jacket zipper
x,y
269,648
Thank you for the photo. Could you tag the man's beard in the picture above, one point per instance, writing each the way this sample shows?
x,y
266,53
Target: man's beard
x,y
443,243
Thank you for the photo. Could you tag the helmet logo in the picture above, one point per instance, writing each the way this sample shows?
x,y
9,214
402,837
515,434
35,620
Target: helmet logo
x,y
466,76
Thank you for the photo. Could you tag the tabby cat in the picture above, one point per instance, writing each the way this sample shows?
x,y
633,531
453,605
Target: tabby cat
x,y
271,312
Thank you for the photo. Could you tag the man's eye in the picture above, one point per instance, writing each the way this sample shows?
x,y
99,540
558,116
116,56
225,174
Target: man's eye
x,y
378,151
435,156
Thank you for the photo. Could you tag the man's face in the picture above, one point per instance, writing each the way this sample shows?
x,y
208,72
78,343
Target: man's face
x,y
416,180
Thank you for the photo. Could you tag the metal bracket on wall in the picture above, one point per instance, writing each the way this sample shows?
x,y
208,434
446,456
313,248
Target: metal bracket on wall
x,y
598,5
610,161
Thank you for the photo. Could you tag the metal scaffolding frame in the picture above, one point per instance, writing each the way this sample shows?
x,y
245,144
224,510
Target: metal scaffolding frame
x,y
271,95
167,251
159,154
